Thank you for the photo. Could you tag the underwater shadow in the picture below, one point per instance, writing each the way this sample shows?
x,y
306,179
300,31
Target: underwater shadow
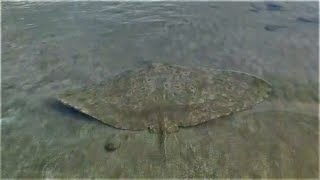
x,y
73,113
77,115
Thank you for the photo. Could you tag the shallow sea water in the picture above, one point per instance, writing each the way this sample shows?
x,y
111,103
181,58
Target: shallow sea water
x,y
51,47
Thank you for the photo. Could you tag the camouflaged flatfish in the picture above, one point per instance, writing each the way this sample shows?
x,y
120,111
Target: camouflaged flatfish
x,y
164,97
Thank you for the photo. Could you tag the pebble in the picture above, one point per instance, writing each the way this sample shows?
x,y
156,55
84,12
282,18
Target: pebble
x,y
273,27
254,10
113,143
273,6
308,20
213,6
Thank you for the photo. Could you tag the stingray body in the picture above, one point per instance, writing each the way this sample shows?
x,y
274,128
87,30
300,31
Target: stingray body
x,y
164,97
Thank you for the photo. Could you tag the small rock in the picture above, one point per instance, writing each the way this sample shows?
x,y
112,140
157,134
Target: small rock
x,y
113,143
308,20
213,6
254,10
273,6
273,27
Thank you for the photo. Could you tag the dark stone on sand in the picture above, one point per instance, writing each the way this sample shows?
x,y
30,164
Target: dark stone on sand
x,y
254,10
308,20
273,27
113,143
213,6
271,6
111,147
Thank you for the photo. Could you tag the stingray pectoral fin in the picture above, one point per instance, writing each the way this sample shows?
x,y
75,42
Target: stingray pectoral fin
x,y
117,122
102,111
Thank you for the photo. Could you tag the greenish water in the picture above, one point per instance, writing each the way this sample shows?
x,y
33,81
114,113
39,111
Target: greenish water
x,y
48,48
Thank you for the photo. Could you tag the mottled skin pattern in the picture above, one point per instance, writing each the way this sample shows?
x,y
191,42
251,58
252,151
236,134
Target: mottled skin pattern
x,y
162,97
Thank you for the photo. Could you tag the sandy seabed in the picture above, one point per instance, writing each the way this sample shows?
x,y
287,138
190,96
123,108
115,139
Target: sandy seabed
x,y
48,48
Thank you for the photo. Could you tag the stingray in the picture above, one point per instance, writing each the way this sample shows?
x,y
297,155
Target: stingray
x,y
163,97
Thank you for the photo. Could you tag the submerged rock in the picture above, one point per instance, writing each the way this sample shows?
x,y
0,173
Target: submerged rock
x,y
274,27
113,143
271,6
314,20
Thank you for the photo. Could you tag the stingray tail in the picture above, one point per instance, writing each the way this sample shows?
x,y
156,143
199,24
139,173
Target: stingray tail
x,y
163,141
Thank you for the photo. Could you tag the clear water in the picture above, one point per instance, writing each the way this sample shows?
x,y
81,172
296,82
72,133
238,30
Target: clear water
x,y
50,47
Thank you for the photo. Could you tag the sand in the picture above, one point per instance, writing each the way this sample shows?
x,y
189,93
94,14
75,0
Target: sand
x,y
48,48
